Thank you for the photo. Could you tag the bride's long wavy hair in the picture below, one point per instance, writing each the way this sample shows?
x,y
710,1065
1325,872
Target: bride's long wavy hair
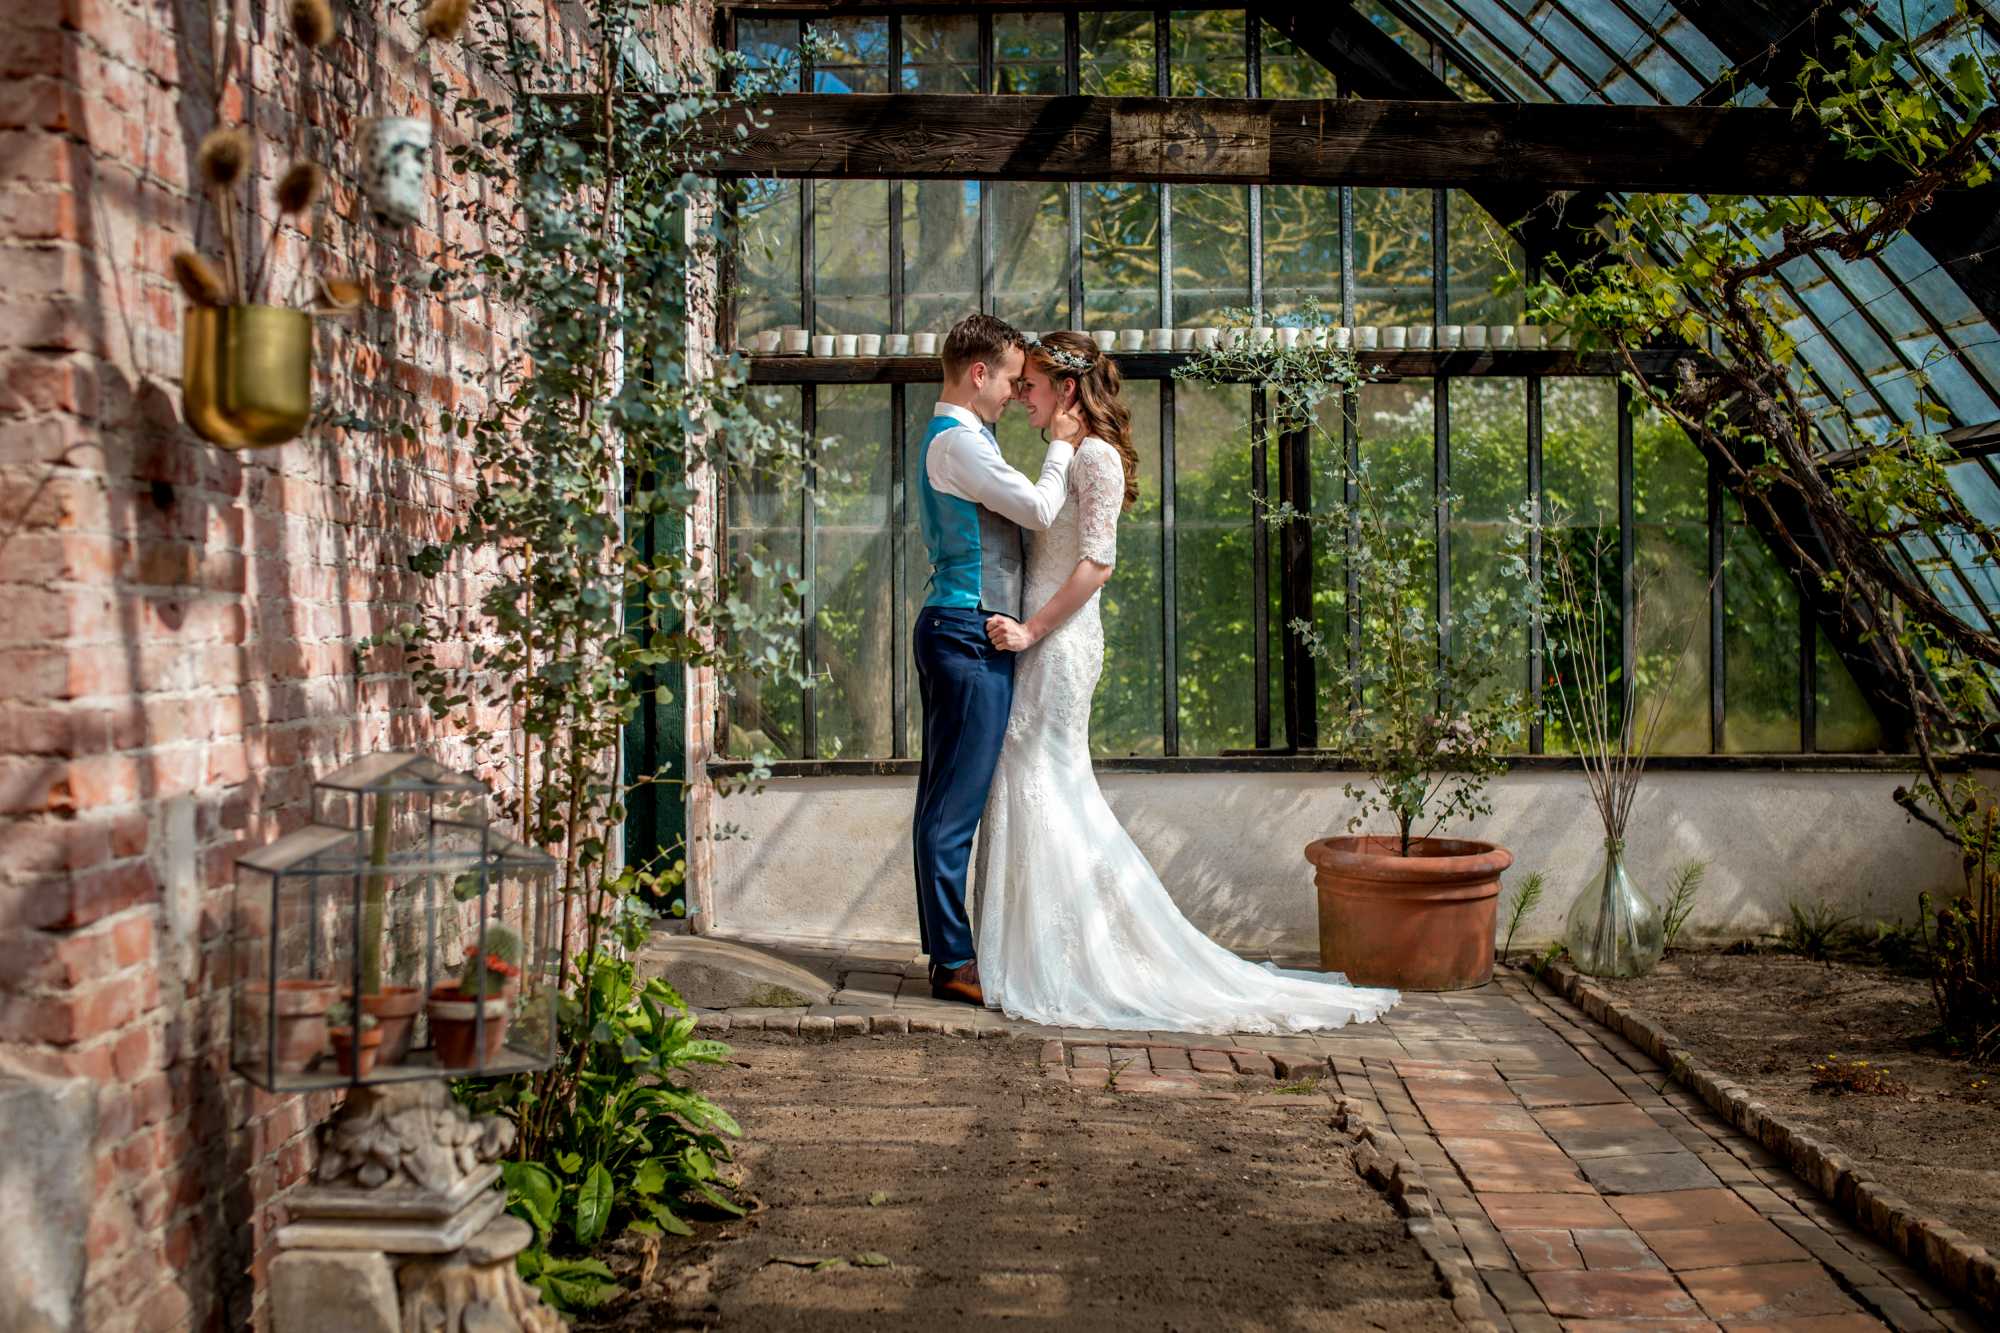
x,y
1100,397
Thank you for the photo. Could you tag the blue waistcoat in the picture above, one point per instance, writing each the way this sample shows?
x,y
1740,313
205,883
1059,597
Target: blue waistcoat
x,y
976,555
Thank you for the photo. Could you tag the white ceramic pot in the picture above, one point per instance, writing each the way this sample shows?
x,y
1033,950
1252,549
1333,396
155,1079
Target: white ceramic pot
x,y
1105,339
1263,335
1340,336
1131,340
846,344
1184,340
1451,335
897,344
796,342
1160,340
1528,335
1501,335
1395,337
1474,335
395,168
767,342
1207,337
1367,337
823,344
868,344
924,344
1289,337
1422,337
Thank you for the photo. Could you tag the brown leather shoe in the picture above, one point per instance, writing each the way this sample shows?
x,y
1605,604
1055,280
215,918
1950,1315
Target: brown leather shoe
x,y
957,983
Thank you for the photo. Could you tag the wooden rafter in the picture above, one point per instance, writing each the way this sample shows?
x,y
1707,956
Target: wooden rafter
x,y
951,136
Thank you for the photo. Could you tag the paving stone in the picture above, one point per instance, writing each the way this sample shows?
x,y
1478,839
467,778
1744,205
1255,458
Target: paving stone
x,y
1464,1118
1613,1248
1537,1212
1514,1292
1723,1246
1900,1309
1577,1090
1483,1244
1767,1291
1613,1295
889,1023
1255,1063
1644,1173
1090,1057
1535,1251
1819,1323
1212,1062
1604,1131
850,1025
1438,1092
1169,1057
1682,1209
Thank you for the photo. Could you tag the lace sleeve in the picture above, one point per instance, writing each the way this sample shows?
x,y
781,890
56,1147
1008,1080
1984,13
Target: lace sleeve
x,y
1100,491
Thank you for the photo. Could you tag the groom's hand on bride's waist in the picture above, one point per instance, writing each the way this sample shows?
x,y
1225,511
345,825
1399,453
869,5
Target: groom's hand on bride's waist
x,y
1008,634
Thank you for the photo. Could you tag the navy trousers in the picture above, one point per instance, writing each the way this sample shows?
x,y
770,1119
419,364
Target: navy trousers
x,y
967,688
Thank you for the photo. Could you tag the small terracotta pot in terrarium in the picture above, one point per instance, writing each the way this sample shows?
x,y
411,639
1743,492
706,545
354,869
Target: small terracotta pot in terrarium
x,y
469,1016
353,1053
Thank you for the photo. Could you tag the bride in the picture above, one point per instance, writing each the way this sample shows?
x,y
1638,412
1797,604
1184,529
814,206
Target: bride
x,y
1075,929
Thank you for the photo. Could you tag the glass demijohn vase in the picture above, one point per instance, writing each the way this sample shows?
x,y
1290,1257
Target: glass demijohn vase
x,y
1613,930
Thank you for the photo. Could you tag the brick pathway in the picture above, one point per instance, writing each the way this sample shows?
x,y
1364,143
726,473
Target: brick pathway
x,y
1534,1151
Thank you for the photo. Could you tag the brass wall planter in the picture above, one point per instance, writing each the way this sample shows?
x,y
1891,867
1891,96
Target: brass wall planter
x,y
246,373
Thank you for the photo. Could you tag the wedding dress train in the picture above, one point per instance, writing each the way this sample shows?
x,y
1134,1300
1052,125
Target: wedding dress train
x,y
1074,927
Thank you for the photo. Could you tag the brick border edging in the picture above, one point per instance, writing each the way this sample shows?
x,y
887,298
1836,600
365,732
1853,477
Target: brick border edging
x,y
1383,1162
1939,1250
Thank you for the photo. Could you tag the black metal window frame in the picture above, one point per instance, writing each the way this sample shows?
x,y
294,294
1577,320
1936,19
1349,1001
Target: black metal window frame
x,y
1292,562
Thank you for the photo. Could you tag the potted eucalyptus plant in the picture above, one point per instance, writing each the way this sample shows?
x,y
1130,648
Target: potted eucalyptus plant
x,y
1421,710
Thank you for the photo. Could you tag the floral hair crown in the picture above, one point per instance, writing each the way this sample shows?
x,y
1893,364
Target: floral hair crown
x,y
1070,361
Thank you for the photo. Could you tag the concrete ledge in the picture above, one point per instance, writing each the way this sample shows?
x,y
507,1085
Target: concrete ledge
x,y
1941,1252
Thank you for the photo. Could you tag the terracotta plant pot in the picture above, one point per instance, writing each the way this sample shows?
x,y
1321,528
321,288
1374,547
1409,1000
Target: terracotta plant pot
x,y
1420,922
454,1033
301,1022
348,1055
394,1009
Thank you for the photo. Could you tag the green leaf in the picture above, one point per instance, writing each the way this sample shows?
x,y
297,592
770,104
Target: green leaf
x,y
593,1205
534,1194
870,1259
651,1177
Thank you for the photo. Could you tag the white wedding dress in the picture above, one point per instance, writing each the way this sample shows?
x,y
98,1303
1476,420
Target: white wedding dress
x,y
1074,928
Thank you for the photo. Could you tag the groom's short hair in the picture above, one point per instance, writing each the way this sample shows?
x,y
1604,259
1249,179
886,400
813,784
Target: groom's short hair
x,y
977,338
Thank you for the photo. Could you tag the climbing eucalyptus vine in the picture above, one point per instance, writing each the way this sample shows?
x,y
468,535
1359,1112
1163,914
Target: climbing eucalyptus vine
x,y
1704,271
587,234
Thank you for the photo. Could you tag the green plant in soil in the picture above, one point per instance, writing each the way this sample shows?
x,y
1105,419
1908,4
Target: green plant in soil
x,y
1962,947
1836,1075
1526,894
1814,929
487,970
1681,895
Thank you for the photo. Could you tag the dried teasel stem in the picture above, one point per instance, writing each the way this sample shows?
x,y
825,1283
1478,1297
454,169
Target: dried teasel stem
x,y
298,190
223,159
198,279
443,20
312,22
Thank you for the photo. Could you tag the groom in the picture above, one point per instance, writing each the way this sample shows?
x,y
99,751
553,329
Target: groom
x,y
973,508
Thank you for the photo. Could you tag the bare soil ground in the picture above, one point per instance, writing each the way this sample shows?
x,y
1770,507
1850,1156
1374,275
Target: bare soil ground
x,y
1766,1018
959,1189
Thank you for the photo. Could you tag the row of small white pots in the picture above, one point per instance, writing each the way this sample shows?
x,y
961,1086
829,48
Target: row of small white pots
x,y
1365,338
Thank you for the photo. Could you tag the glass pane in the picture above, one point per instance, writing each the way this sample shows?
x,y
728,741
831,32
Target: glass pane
x,y
1211,251
1290,72
763,520
1030,253
860,62
771,45
1760,637
940,254
1397,430
1580,506
1670,584
1207,58
1477,262
1842,719
1301,249
1212,565
1489,477
851,574
1392,256
940,54
1028,53
851,250
1117,54
767,257
1125,718
1328,466
1121,256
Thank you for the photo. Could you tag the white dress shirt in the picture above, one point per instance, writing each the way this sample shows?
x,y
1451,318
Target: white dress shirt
x,y
965,462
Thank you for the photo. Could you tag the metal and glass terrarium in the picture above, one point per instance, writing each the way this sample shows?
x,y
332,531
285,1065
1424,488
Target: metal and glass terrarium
x,y
400,935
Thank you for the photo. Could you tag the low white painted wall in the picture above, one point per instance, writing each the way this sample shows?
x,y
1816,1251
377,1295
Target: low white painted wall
x,y
829,858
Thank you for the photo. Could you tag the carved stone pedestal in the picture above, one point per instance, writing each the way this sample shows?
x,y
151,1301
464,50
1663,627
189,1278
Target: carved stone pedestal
x,y
401,1230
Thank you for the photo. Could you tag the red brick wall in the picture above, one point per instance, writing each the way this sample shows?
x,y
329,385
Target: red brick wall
x,y
177,621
